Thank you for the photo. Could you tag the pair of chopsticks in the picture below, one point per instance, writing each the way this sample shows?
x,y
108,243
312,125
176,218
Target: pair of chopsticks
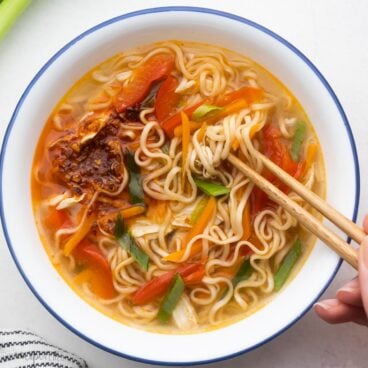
x,y
335,242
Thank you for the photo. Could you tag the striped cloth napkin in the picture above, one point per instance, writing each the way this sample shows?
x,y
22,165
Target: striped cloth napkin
x,y
24,349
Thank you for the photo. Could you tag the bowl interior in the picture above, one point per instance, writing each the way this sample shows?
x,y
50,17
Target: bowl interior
x,y
56,78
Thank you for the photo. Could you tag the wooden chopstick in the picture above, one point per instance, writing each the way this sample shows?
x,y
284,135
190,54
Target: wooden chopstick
x,y
343,249
349,227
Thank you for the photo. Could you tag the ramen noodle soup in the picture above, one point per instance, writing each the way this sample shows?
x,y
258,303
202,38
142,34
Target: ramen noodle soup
x,y
135,201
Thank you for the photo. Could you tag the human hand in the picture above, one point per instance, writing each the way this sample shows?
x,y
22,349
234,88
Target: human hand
x,y
351,302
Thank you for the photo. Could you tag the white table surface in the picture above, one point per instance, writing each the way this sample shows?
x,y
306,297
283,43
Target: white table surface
x,y
332,33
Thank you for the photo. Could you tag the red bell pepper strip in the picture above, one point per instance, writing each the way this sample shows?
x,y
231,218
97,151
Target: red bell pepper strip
x,y
154,69
166,99
159,285
99,273
277,151
250,94
195,277
173,121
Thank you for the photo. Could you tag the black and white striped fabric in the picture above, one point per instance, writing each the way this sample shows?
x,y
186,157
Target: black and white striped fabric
x,y
24,349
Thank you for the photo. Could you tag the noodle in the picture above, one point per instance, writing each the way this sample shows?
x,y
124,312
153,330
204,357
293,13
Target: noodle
x,y
72,140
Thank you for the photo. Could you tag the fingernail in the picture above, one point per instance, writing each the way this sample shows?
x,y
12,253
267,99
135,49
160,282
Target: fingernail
x,y
327,304
363,252
350,287
346,289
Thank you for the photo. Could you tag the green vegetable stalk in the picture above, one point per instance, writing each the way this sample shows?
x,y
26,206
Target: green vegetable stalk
x,y
171,299
197,212
127,242
243,273
10,10
204,111
135,179
298,140
287,265
211,188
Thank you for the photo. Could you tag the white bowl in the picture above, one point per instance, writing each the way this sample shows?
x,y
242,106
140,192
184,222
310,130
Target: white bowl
x,y
94,46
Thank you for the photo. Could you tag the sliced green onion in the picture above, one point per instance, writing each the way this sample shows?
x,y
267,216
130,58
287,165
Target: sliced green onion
x,y
10,10
299,136
127,242
171,299
287,265
243,273
204,111
212,189
135,179
198,209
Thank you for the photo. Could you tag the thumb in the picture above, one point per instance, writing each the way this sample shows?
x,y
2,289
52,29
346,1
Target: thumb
x,y
363,273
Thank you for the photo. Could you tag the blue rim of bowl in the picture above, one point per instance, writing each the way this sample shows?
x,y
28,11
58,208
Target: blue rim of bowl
x,y
162,10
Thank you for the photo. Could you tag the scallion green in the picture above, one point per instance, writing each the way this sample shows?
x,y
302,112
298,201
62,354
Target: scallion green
x,y
210,188
135,179
198,209
205,110
127,242
298,140
287,265
171,299
243,273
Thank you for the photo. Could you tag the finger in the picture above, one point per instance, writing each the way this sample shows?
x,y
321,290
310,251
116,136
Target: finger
x,y
350,293
363,272
365,224
333,311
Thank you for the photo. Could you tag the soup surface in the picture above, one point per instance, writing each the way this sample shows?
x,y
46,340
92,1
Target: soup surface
x,y
137,205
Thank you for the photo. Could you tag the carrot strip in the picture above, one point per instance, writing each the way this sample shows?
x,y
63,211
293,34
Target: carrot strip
x,y
178,255
235,145
83,276
101,284
234,107
197,229
132,211
202,132
254,129
250,94
193,126
229,109
156,210
185,143
76,238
